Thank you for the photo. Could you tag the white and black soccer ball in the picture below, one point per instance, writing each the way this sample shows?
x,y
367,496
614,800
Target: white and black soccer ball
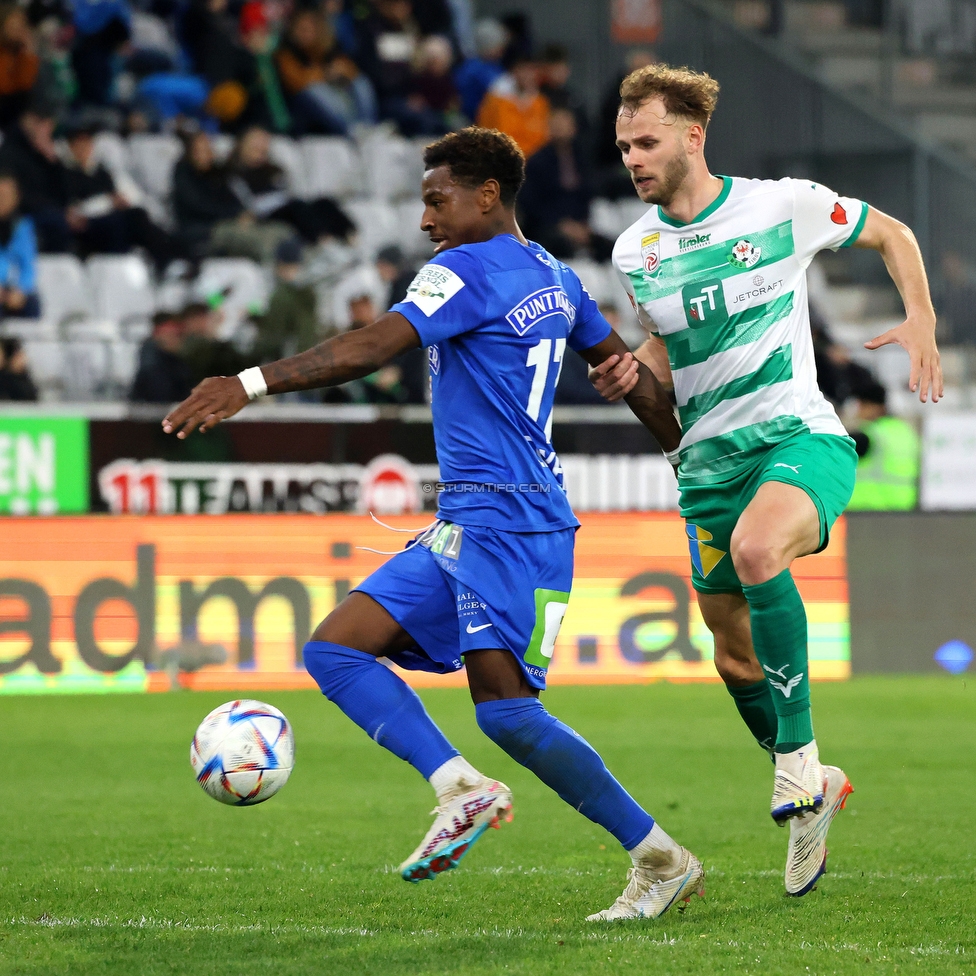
x,y
243,752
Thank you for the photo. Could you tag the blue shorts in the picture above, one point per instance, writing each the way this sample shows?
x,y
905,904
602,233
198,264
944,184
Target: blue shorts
x,y
467,588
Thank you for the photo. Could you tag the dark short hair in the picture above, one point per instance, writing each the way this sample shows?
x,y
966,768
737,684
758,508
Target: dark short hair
x,y
195,308
475,155
163,317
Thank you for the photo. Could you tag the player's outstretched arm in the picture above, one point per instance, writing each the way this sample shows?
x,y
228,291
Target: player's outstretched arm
x,y
646,397
897,245
339,360
615,377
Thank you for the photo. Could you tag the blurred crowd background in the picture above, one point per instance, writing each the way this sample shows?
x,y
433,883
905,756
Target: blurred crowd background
x,y
190,187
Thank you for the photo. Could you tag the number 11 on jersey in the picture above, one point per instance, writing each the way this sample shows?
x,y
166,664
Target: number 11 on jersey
x,y
541,356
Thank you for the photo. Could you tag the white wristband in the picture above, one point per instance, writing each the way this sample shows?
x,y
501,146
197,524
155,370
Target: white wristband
x,y
673,456
253,382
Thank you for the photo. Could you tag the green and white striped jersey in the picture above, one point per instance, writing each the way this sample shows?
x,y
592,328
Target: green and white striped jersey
x,y
728,294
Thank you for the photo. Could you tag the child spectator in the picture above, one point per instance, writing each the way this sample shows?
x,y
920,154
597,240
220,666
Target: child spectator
x,y
19,64
15,379
515,106
290,324
162,376
476,75
327,90
18,256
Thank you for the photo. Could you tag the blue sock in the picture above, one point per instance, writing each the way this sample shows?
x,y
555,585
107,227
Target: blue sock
x,y
379,702
566,763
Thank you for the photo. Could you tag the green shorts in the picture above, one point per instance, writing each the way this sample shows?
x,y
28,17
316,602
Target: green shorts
x,y
823,465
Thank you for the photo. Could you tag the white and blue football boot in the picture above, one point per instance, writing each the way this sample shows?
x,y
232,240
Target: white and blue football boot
x,y
798,787
650,892
458,822
806,860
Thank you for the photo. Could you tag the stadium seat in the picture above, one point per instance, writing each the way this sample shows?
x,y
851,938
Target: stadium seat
x,y
63,287
122,287
45,360
287,154
151,162
597,279
112,151
86,370
376,223
393,165
30,330
222,145
415,243
245,282
332,167
123,366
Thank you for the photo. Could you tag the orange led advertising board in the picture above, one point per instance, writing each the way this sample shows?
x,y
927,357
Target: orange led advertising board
x,y
87,601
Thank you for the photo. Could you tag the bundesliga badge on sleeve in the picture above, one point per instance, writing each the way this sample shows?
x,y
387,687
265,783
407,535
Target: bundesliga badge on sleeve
x,y
651,253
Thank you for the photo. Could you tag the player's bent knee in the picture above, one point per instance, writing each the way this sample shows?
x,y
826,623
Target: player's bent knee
x,y
755,559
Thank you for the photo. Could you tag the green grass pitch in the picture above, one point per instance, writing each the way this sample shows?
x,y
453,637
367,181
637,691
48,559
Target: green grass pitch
x,y
113,860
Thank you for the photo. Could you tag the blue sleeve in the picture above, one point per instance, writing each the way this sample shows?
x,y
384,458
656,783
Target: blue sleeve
x,y
590,328
23,249
446,298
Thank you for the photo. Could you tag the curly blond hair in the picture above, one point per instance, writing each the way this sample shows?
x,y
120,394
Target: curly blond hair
x,y
686,93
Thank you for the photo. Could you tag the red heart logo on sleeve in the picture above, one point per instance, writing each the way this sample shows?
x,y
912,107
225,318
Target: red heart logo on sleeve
x,y
839,216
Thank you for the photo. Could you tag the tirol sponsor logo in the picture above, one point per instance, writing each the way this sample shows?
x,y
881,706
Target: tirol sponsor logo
x,y
761,289
651,253
704,303
745,254
692,243
540,305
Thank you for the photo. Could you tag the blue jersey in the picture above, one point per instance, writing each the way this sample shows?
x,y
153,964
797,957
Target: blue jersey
x,y
496,318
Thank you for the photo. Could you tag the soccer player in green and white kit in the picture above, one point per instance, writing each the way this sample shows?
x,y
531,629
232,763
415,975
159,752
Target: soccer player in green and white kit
x,y
716,270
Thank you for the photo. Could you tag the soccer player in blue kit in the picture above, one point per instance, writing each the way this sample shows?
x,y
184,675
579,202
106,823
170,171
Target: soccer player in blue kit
x,y
488,583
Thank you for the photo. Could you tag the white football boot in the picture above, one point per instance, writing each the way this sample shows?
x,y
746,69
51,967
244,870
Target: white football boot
x,y
806,860
651,892
798,787
459,821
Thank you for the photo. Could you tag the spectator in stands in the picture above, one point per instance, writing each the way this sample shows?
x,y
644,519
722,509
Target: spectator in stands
x,y
210,218
395,273
613,179
555,199
204,353
290,324
476,75
18,256
433,95
838,376
261,187
555,72
19,64
163,375
328,92
29,153
515,106
386,45
102,28
101,213
15,379
266,102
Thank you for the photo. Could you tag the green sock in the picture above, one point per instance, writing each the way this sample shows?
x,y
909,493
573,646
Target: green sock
x,y
779,635
755,705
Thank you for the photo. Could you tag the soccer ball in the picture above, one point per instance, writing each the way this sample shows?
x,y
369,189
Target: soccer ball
x,y
243,752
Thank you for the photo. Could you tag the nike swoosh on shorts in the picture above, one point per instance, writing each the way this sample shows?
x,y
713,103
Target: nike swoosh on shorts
x,y
474,630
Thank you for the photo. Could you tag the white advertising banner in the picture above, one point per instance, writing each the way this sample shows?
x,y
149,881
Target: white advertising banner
x,y
948,462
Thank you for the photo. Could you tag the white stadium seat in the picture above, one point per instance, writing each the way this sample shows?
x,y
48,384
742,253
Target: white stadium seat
x,y
152,159
376,224
30,330
394,166
332,167
122,287
222,145
62,285
415,243
86,369
46,363
287,154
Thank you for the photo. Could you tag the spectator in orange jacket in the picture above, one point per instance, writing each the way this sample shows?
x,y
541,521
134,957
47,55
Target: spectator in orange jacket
x,y
515,106
19,63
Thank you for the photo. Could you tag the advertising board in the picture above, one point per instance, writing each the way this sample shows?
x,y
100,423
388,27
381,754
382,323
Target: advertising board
x,y
87,602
